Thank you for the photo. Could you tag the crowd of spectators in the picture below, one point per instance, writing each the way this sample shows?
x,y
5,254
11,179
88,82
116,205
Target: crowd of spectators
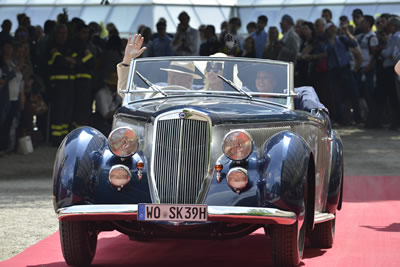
x,y
50,76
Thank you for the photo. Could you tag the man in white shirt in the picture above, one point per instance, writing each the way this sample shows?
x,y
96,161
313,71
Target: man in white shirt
x,y
289,46
187,40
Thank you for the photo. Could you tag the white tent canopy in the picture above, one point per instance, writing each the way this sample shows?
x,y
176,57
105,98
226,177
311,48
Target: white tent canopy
x,y
127,15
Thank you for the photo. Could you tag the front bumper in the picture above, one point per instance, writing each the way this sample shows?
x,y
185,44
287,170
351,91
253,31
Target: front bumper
x,y
254,215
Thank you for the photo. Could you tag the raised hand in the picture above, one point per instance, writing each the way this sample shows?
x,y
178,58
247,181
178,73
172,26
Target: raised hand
x,y
133,49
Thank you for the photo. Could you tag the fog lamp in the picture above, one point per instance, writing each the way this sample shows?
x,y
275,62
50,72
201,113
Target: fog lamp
x,y
237,179
123,142
237,145
119,176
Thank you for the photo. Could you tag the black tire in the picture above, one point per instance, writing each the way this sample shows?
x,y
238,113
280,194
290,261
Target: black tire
x,y
78,242
323,234
287,242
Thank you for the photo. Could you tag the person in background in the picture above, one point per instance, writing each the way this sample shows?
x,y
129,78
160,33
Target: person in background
x,y
187,40
389,62
366,74
327,15
161,45
302,75
5,31
107,102
340,76
260,36
201,33
224,28
61,67
85,57
289,46
15,93
381,91
234,26
249,48
251,27
147,35
357,15
211,44
270,50
298,26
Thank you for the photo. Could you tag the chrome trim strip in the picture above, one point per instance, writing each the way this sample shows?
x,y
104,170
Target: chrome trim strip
x,y
320,217
215,213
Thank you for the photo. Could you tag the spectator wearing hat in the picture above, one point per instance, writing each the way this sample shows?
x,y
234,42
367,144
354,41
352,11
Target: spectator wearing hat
x,y
107,102
260,36
289,46
357,18
187,40
161,45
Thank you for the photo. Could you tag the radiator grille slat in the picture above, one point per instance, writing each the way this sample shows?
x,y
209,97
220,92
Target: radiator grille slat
x,y
180,159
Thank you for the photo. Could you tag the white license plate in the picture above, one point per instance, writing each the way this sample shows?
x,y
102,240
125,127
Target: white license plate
x,y
172,212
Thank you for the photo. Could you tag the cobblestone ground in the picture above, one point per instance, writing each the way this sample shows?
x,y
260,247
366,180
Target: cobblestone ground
x,y
26,210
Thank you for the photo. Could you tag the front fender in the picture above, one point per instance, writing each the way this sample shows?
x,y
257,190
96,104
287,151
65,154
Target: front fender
x,y
283,171
78,161
81,169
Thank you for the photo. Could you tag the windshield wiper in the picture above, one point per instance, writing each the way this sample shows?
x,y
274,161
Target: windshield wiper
x,y
240,90
151,85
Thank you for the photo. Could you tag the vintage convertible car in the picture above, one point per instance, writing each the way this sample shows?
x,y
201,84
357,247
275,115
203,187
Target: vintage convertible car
x,y
204,148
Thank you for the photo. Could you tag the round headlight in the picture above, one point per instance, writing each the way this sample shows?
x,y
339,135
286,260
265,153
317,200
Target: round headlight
x,y
119,176
237,145
237,178
123,142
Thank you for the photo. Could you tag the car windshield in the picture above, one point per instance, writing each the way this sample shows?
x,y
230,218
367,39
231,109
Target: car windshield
x,y
254,79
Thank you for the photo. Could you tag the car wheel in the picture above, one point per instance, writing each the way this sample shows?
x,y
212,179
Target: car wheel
x,y
287,242
78,242
323,234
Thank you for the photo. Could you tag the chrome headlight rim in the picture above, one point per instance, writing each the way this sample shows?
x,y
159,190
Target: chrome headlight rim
x,y
240,170
131,143
224,141
123,167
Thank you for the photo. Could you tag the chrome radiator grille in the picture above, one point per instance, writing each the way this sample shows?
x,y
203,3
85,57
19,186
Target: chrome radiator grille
x,y
181,157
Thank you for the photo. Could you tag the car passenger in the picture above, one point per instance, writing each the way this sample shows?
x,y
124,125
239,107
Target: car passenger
x,y
211,79
181,73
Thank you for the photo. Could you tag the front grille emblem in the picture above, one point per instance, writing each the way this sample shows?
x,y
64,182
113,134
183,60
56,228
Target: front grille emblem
x,y
182,115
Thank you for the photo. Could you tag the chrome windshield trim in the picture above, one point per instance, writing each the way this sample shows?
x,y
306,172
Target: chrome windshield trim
x,y
215,213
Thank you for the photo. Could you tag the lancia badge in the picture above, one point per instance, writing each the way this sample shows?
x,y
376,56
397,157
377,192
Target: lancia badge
x,y
182,115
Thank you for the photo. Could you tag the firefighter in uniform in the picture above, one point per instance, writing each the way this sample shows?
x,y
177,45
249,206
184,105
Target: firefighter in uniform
x,y
61,78
85,64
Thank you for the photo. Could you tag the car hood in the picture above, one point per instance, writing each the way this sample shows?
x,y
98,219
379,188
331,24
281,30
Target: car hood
x,y
219,109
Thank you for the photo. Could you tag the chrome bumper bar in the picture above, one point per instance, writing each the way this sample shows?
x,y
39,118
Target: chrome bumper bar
x,y
215,213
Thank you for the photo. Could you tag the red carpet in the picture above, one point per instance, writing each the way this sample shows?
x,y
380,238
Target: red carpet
x,y
367,234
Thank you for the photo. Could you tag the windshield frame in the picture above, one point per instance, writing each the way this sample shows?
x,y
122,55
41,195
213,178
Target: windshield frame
x,y
131,86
